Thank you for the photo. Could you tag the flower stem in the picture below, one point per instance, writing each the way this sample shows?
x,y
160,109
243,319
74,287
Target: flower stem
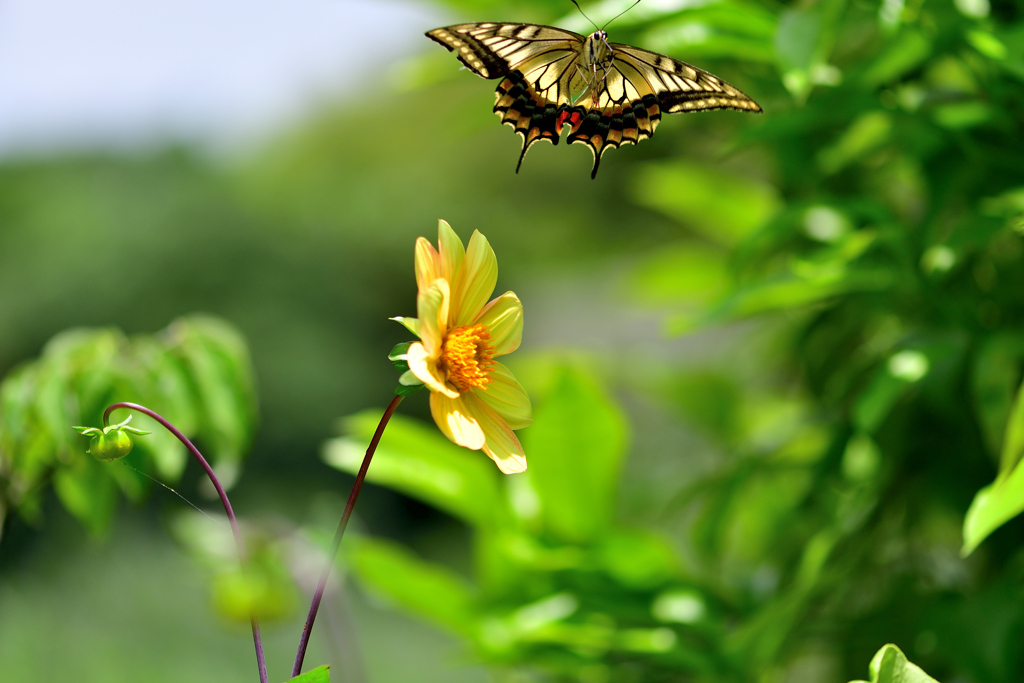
x,y
256,637
351,503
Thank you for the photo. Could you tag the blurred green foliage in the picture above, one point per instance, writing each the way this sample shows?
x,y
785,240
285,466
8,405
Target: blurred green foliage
x,y
560,582
265,588
768,495
197,373
867,229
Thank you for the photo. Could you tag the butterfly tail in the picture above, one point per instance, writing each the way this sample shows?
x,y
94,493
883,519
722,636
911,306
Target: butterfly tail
x,y
592,130
522,155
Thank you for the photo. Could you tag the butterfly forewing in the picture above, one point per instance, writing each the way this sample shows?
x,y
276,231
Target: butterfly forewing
x,y
492,50
681,87
547,83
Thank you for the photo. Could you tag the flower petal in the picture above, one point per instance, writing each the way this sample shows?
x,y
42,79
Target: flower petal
x,y
451,251
501,443
503,318
428,263
455,421
506,397
432,305
426,370
475,281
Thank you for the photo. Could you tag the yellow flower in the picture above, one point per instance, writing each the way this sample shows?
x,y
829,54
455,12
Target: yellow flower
x,y
475,400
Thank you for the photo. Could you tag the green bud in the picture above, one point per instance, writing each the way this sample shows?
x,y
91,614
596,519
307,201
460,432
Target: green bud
x,y
112,446
110,443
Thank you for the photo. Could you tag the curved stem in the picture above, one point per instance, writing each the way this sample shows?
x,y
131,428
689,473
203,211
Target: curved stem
x,y
351,503
256,637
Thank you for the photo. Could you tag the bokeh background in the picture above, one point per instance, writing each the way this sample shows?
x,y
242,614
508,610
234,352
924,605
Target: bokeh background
x,y
773,357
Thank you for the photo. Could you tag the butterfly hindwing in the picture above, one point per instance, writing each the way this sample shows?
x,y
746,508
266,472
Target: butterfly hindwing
x,y
548,83
622,110
534,117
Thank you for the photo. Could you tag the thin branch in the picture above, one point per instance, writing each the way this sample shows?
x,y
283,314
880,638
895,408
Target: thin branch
x,y
256,637
351,503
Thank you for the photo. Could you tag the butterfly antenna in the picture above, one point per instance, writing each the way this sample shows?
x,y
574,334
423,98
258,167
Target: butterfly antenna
x,y
585,14
617,15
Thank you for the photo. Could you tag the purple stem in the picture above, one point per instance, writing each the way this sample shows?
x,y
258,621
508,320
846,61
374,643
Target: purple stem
x,y
351,503
256,638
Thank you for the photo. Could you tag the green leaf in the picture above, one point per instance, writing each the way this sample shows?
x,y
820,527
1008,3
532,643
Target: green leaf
x,y
407,389
88,492
963,115
411,324
994,384
1013,38
321,674
265,588
866,134
636,558
398,351
876,402
723,207
1013,443
905,53
803,43
788,291
220,371
240,595
797,39
1002,500
731,30
1009,204
890,665
575,449
688,273
415,459
711,402
426,589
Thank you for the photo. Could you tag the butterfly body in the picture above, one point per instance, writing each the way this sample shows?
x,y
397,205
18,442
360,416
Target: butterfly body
x,y
609,94
597,60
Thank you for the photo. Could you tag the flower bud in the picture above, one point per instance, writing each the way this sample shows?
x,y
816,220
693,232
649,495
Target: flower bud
x,y
110,443
112,446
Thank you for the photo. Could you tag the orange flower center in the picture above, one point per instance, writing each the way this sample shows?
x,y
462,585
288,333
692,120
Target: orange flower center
x,y
467,358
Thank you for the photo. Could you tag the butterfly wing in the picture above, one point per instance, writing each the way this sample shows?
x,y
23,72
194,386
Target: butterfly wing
x,y
547,83
681,87
492,49
536,64
637,88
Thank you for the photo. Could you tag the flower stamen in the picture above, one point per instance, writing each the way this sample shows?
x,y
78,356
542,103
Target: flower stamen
x,y
467,358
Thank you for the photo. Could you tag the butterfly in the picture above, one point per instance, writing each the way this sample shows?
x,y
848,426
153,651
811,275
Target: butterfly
x,y
610,94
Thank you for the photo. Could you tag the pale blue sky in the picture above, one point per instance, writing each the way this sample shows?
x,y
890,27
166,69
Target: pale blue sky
x,y
88,73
